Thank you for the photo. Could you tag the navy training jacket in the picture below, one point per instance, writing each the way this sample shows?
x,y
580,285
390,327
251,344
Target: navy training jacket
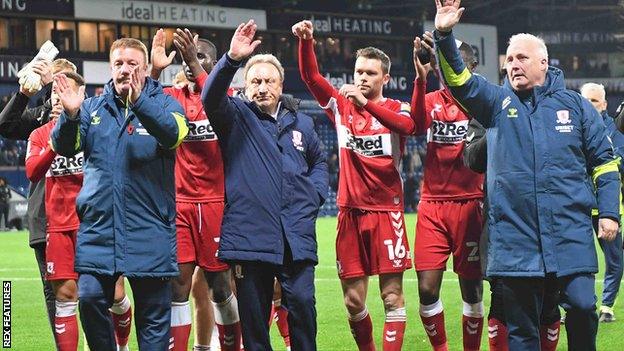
x,y
275,174
543,150
127,202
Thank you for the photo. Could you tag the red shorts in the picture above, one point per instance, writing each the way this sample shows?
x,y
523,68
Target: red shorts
x,y
446,227
60,253
198,227
371,243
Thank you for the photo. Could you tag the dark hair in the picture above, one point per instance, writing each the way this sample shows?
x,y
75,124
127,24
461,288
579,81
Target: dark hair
x,y
212,51
75,77
374,53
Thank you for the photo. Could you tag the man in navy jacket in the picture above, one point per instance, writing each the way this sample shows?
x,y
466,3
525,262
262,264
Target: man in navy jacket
x,y
542,142
275,181
612,250
127,202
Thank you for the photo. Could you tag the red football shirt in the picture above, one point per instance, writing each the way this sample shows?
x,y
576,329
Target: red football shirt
x,y
63,179
199,165
369,156
369,151
446,124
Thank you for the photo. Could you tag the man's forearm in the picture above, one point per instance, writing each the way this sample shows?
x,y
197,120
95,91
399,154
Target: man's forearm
x,y
214,93
165,123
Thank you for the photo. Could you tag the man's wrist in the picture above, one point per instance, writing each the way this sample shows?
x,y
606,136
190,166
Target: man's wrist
x,y
441,34
233,57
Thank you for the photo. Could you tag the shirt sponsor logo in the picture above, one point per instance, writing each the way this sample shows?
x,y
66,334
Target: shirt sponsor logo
x,y
200,131
365,145
447,132
564,122
63,166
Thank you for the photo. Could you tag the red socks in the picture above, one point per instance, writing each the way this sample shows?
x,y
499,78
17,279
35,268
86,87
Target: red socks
x,y
281,319
66,326
472,325
362,330
497,335
394,329
180,325
549,336
228,323
432,317
121,312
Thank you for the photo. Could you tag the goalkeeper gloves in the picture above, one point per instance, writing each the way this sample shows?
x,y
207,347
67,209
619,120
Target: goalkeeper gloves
x,y
28,79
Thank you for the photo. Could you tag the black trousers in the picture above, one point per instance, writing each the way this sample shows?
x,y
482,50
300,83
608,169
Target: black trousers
x,y
523,299
254,286
48,292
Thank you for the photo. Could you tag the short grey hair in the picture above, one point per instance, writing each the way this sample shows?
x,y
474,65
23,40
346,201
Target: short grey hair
x,y
264,58
593,86
541,45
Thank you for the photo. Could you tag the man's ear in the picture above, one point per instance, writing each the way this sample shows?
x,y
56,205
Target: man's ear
x,y
386,78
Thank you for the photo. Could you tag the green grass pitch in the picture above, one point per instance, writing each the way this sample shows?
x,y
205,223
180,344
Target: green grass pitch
x,y
30,330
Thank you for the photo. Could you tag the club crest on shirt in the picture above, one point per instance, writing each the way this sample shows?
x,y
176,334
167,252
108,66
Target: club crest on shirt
x,y
376,125
297,139
50,267
563,117
564,122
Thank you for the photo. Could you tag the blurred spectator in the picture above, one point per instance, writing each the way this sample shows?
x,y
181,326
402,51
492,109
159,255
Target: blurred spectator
x,y
4,101
98,91
332,168
5,195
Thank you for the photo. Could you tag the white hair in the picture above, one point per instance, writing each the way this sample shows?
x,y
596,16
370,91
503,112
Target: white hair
x,y
593,86
541,45
264,58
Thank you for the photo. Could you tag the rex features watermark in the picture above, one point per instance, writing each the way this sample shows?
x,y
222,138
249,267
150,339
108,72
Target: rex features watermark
x,y
6,314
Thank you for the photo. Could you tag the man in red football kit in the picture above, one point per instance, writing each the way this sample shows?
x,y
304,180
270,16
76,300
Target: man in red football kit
x,y
199,196
450,217
371,230
63,180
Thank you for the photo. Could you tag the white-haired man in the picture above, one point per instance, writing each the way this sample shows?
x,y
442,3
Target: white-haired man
x,y
612,250
543,140
275,180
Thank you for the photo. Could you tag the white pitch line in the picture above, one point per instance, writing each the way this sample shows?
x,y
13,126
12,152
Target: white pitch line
x,y
19,270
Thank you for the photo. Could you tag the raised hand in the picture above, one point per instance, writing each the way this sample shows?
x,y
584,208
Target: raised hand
x,y
243,43
607,229
421,70
70,99
159,57
447,15
187,46
43,69
136,85
186,43
354,94
303,30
